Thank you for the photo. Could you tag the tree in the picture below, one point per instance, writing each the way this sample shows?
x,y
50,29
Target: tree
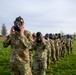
x,y
3,30
61,32
74,35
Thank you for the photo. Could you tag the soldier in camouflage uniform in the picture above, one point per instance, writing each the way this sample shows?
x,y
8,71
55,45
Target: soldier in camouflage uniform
x,y
40,57
68,43
56,43
63,41
30,39
53,52
20,62
48,51
71,44
60,44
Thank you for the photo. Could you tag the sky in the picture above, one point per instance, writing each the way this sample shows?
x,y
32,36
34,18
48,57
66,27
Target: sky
x,y
46,16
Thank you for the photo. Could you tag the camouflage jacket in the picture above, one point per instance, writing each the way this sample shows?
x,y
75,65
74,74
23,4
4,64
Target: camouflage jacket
x,y
68,42
40,51
19,47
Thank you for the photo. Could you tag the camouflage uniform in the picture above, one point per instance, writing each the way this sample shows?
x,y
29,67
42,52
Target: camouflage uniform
x,y
71,45
57,48
20,63
34,36
53,52
68,43
63,41
48,53
60,47
40,59
30,39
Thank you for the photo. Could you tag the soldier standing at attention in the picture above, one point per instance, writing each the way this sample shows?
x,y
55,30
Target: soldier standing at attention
x,y
30,39
20,62
40,57
68,43
53,51
48,51
56,42
63,41
71,44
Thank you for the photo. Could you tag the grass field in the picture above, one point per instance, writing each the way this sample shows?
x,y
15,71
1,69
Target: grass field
x,y
66,65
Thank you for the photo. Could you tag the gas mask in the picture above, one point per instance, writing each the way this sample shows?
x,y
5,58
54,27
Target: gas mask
x,y
38,37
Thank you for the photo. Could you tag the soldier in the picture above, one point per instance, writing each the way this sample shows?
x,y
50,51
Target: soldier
x,y
57,46
71,44
63,42
20,62
48,51
68,43
30,39
53,52
40,57
60,44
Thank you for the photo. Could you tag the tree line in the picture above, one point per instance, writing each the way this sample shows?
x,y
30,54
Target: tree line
x,y
3,31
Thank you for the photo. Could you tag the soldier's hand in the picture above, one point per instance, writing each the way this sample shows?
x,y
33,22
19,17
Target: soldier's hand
x,y
11,31
22,30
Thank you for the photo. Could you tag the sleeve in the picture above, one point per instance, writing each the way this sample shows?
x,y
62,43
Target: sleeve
x,y
33,47
45,46
25,41
7,42
29,36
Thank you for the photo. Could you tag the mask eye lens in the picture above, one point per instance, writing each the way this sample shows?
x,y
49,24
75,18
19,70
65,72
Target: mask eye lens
x,y
18,23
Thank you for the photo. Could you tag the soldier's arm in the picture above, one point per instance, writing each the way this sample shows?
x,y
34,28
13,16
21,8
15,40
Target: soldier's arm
x,y
28,35
45,46
25,41
33,47
7,42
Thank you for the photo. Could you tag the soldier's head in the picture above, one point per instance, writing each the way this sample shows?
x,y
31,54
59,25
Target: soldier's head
x,y
68,36
56,36
34,36
47,36
59,36
38,37
18,22
50,36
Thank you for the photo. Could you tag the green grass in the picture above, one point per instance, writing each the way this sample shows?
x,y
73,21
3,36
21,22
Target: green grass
x,y
4,60
66,65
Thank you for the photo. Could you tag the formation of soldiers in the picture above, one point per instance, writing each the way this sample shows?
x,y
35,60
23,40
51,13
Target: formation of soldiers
x,y
56,46
33,53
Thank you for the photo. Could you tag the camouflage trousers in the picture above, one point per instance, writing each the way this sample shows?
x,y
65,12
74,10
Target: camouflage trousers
x,y
53,55
40,67
48,59
60,51
18,68
57,53
63,51
31,58
68,50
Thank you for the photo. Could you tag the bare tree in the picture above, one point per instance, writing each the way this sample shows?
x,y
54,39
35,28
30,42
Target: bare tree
x,y
74,35
61,32
3,30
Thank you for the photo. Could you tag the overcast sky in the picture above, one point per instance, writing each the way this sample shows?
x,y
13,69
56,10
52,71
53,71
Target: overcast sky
x,y
47,16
